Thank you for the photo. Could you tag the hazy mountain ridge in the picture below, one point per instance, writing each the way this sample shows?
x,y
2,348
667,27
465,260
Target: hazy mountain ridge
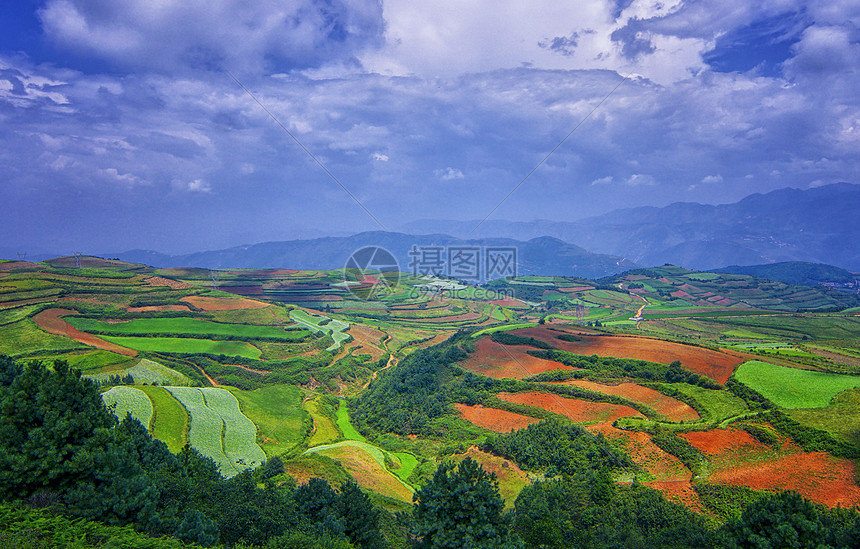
x,y
536,256
815,225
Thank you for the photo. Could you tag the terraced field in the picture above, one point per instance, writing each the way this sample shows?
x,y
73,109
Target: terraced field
x,y
218,428
187,345
128,400
182,325
792,387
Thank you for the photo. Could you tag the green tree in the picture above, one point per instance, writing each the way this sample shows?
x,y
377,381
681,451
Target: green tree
x,y
460,508
360,518
783,520
52,426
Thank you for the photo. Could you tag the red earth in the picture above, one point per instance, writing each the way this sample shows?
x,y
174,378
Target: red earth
x,y
668,407
815,475
223,304
713,364
50,321
576,410
499,361
499,421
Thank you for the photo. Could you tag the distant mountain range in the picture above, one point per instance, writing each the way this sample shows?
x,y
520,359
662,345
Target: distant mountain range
x,y
820,225
542,255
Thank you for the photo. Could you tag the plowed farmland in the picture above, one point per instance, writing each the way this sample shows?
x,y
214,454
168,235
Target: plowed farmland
x,y
50,321
500,421
499,361
224,304
576,410
668,407
713,364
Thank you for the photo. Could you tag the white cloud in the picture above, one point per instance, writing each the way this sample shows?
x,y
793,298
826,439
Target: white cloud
x,y
712,179
640,179
602,181
198,186
448,174
379,157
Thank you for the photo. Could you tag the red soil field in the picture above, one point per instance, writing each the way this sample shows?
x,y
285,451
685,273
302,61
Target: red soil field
x,y
498,361
10,266
223,304
668,407
149,308
50,321
439,319
509,302
713,364
575,289
173,284
664,467
499,421
366,340
721,441
679,491
575,409
815,475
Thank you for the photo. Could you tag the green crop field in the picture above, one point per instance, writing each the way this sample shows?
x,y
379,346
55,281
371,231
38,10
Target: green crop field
x,y
343,423
182,325
206,426
144,371
335,328
277,412
90,362
124,400
718,405
14,314
240,433
842,417
187,345
325,429
792,387
170,420
218,429
24,337
408,463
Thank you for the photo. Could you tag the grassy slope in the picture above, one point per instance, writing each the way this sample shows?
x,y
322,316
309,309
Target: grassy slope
x,y
842,417
277,412
325,429
794,388
25,337
170,420
187,345
182,325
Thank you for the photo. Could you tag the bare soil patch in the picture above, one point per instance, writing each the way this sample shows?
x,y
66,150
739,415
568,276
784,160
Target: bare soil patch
x,y
170,283
815,475
717,442
499,361
576,410
500,421
713,364
223,304
668,407
50,321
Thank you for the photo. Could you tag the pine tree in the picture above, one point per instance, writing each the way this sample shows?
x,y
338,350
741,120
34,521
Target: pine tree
x,y
460,508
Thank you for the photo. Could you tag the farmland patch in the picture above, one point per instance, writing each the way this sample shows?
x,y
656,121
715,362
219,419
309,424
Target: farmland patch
x,y
792,387
500,421
128,400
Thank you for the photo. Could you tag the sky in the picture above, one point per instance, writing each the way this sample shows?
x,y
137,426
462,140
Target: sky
x,y
182,125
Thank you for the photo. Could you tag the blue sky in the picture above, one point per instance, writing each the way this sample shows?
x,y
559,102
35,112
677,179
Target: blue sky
x,y
121,127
